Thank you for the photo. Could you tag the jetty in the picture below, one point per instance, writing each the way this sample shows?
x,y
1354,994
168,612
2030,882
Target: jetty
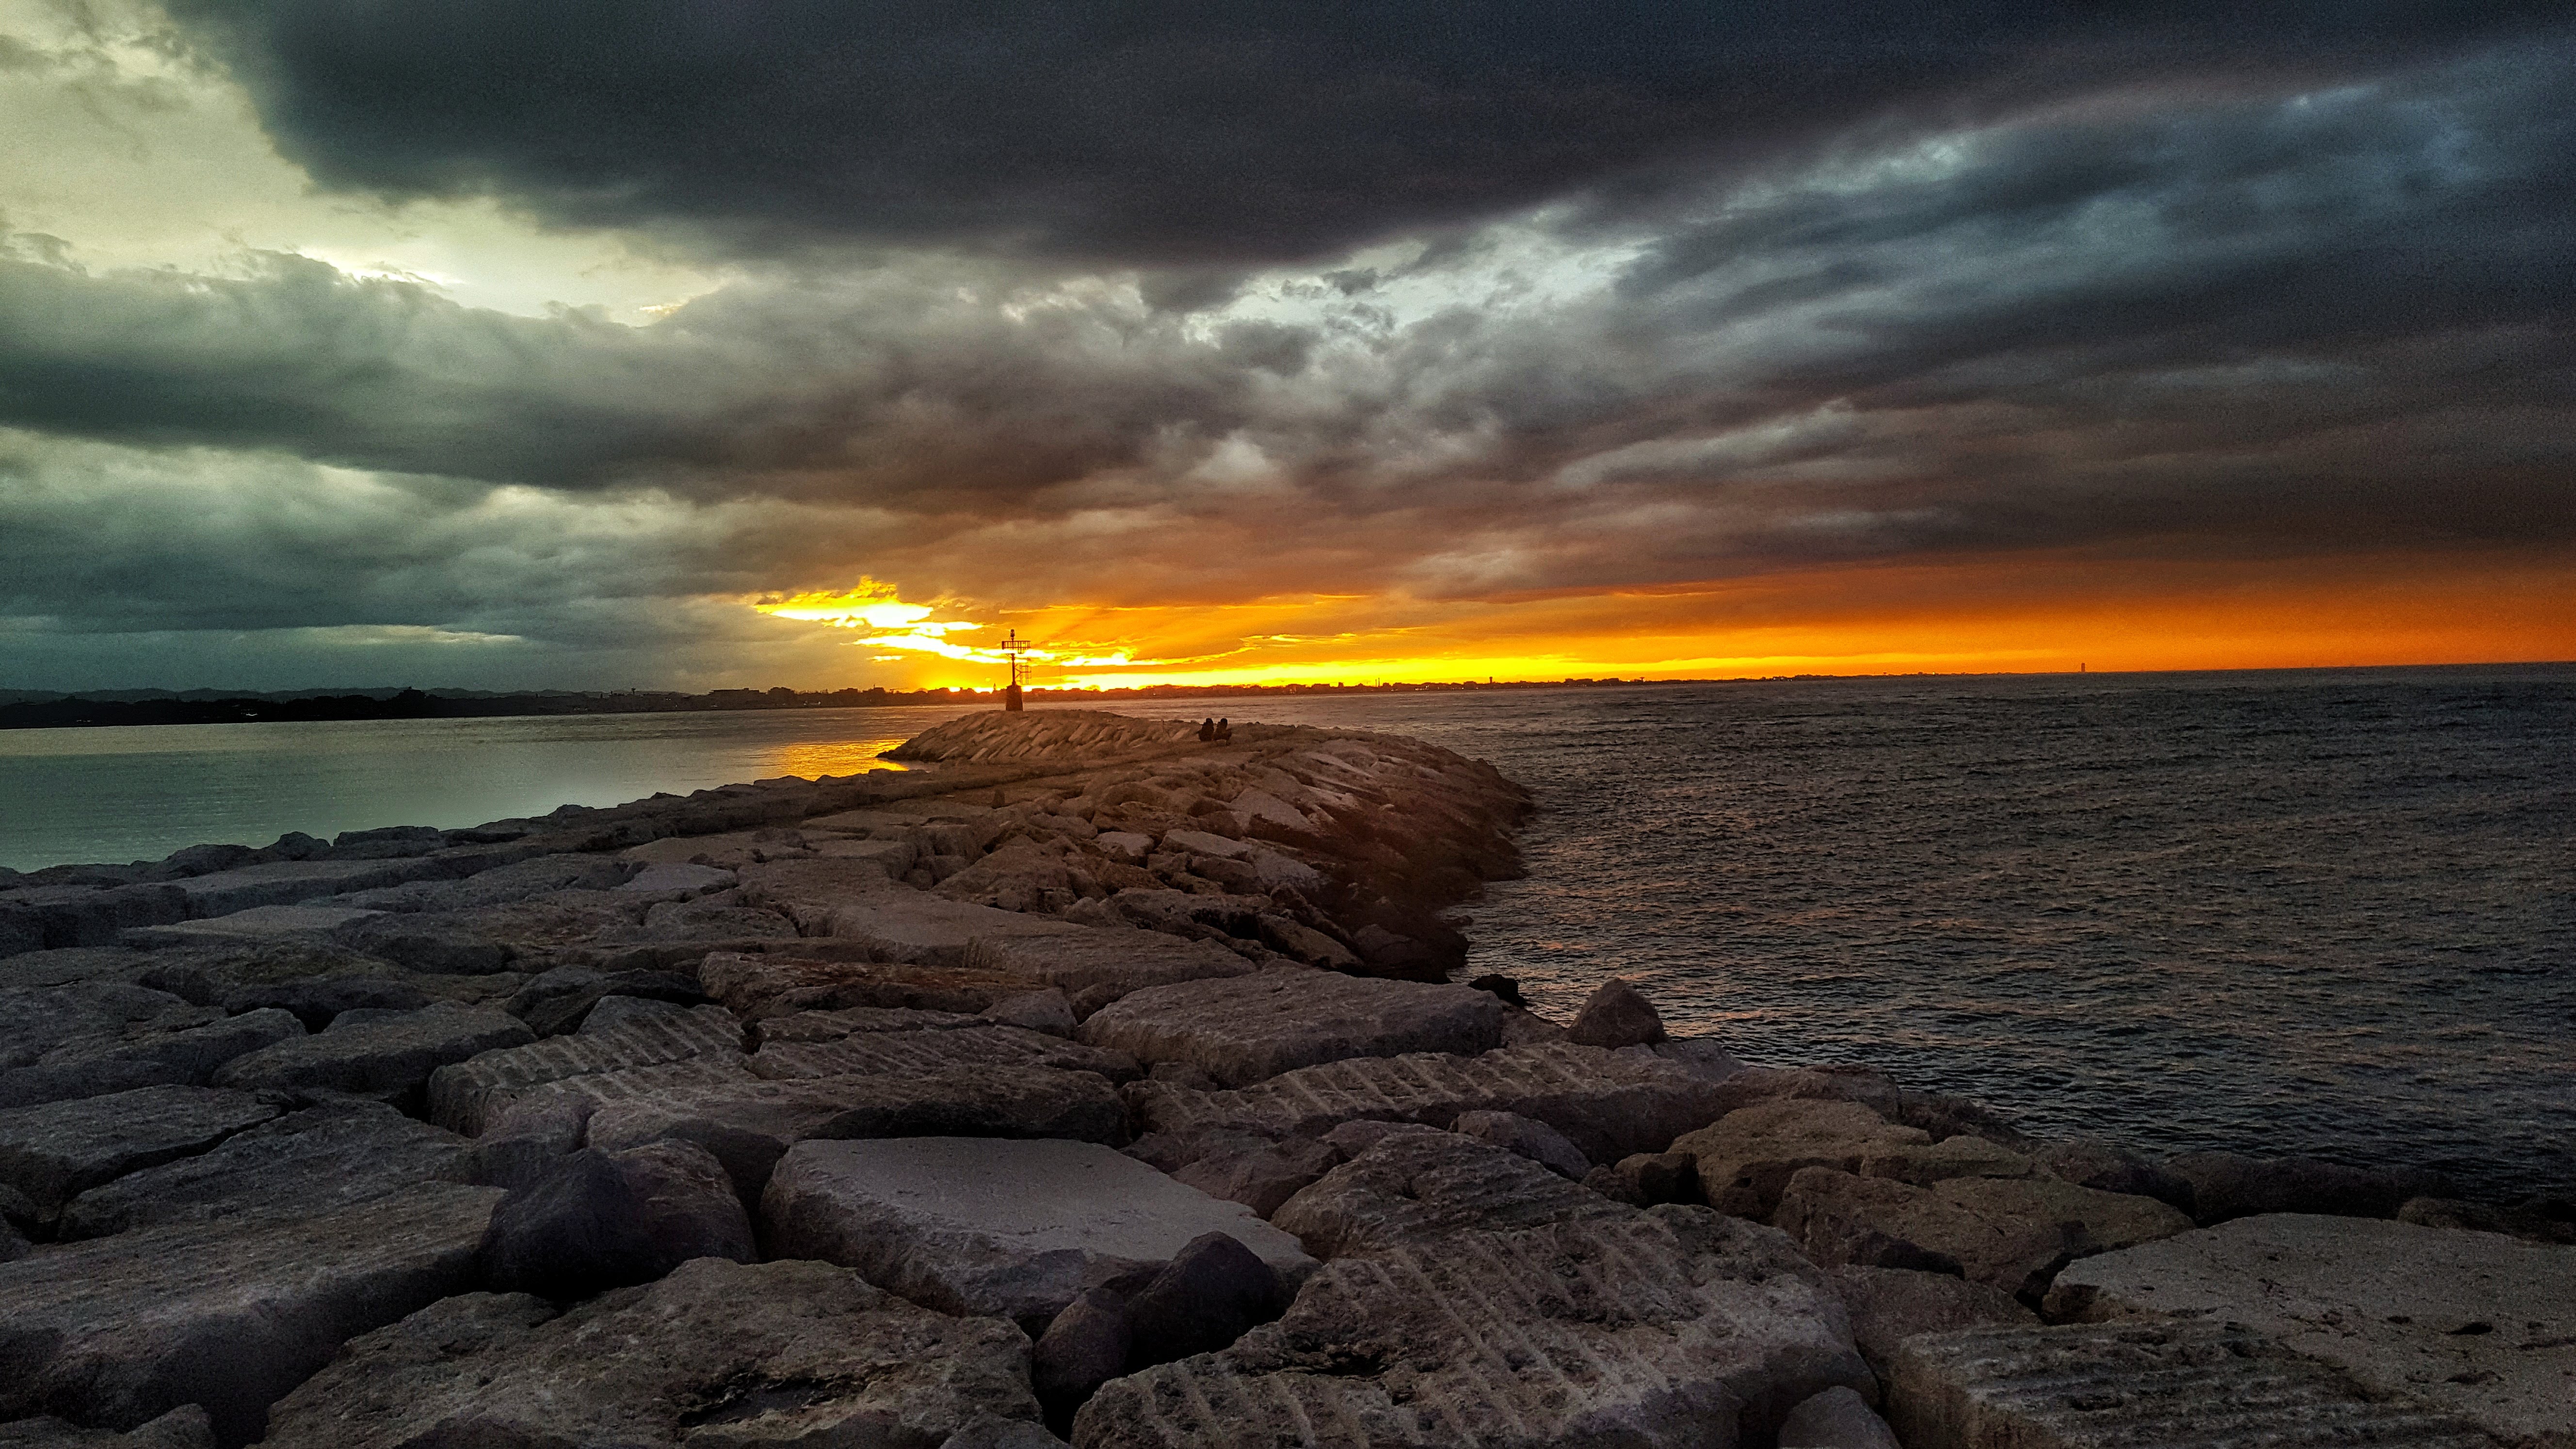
x,y
1087,1082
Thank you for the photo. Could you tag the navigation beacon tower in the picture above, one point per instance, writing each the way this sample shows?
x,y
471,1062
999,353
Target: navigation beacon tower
x,y
1011,696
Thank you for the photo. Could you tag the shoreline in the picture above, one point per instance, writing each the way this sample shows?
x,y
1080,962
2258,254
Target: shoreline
x,y
1227,968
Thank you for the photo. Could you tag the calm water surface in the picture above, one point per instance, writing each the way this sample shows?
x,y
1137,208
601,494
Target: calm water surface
x,y
2331,913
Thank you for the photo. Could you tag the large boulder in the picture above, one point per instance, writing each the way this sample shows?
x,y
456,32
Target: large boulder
x,y
189,1056
1529,1137
2008,1233
2179,1382
186,1427
1838,1418
466,1096
1747,1157
797,979
115,1332
718,1355
597,1220
1244,1029
2228,1185
388,1055
1607,1104
1212,1292
750,1125
1891,1305
53,1153
992,1046
1669,1329
311,1161
1015,1229
1415,1184
2480,1325
1616,1014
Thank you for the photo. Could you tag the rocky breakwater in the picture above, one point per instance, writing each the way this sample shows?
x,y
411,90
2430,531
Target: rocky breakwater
x,y
1092,1082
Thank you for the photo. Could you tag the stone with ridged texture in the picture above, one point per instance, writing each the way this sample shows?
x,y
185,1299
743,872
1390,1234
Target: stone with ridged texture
x,y
1673,1328
306,1162
2164,1385
52,1153
117,1331
1415,1183
1244,1029
468,1095
718,1355
384,1054
1608,1104
912,1053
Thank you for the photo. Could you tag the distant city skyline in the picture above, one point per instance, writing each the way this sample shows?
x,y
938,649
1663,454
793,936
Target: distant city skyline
x,y
669,346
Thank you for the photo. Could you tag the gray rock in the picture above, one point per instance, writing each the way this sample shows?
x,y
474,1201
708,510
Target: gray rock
x,y
991,1432
857,1020
117,1331
1116,958
1247,1028
523,1144
93,1065
2481,1326
1662,1329
909,1053
1414,1184
467,1095
1015,1229
610,1012
766,986
1747,1157
2099,1163
914,927
1607,1105
1258,1173
500,886
1532,1139
2012,1234
2226,1185
1048,1011
596,1220
316,1000
2083,1386
314,923
1616,1015
1699,1056
1890,1305
312,1161
1648,1178
387,1055
55,1152
1838,1418
1212,1292
1083,1347
718,1355
672,876
185,1427
286,883
36,1021
750,1125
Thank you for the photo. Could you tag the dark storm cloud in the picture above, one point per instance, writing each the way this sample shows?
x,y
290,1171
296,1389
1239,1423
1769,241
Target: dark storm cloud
x,y
1177,134
2261,321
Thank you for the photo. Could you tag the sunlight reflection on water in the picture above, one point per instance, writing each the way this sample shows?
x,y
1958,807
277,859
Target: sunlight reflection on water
x,y
814,758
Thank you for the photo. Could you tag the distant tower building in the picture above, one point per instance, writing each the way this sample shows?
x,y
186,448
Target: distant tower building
x,y
1011,696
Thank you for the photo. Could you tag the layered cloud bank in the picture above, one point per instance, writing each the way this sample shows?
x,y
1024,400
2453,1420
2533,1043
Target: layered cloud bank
x,y
498,345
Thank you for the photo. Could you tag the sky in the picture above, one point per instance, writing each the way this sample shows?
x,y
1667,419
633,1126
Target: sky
x,y
703,343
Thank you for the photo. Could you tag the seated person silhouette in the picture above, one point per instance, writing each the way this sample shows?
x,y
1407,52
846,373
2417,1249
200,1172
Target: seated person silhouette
x,y
1224,732
1207,729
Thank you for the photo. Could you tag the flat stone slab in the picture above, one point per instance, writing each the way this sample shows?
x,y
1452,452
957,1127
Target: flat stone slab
x,y
143,1057
1608,1104
750,1125
1246,1029
286,883
1012,1229
1121,958
38,1020
1415,1183
900,1053
55,1152
916,927
313,1161
375,1052
466,1096
2165,1385
1663,1329
718,1355
115,1332
259,923
679,876
759,987
2478,1324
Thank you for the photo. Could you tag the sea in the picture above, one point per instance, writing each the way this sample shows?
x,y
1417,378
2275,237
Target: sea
x,y
2329,913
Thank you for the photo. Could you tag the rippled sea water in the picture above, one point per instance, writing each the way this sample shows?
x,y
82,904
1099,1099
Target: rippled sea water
x,y
2315,912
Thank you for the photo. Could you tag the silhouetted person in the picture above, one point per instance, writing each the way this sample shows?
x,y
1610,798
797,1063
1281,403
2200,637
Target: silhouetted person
x,y
1224,732
1207,729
